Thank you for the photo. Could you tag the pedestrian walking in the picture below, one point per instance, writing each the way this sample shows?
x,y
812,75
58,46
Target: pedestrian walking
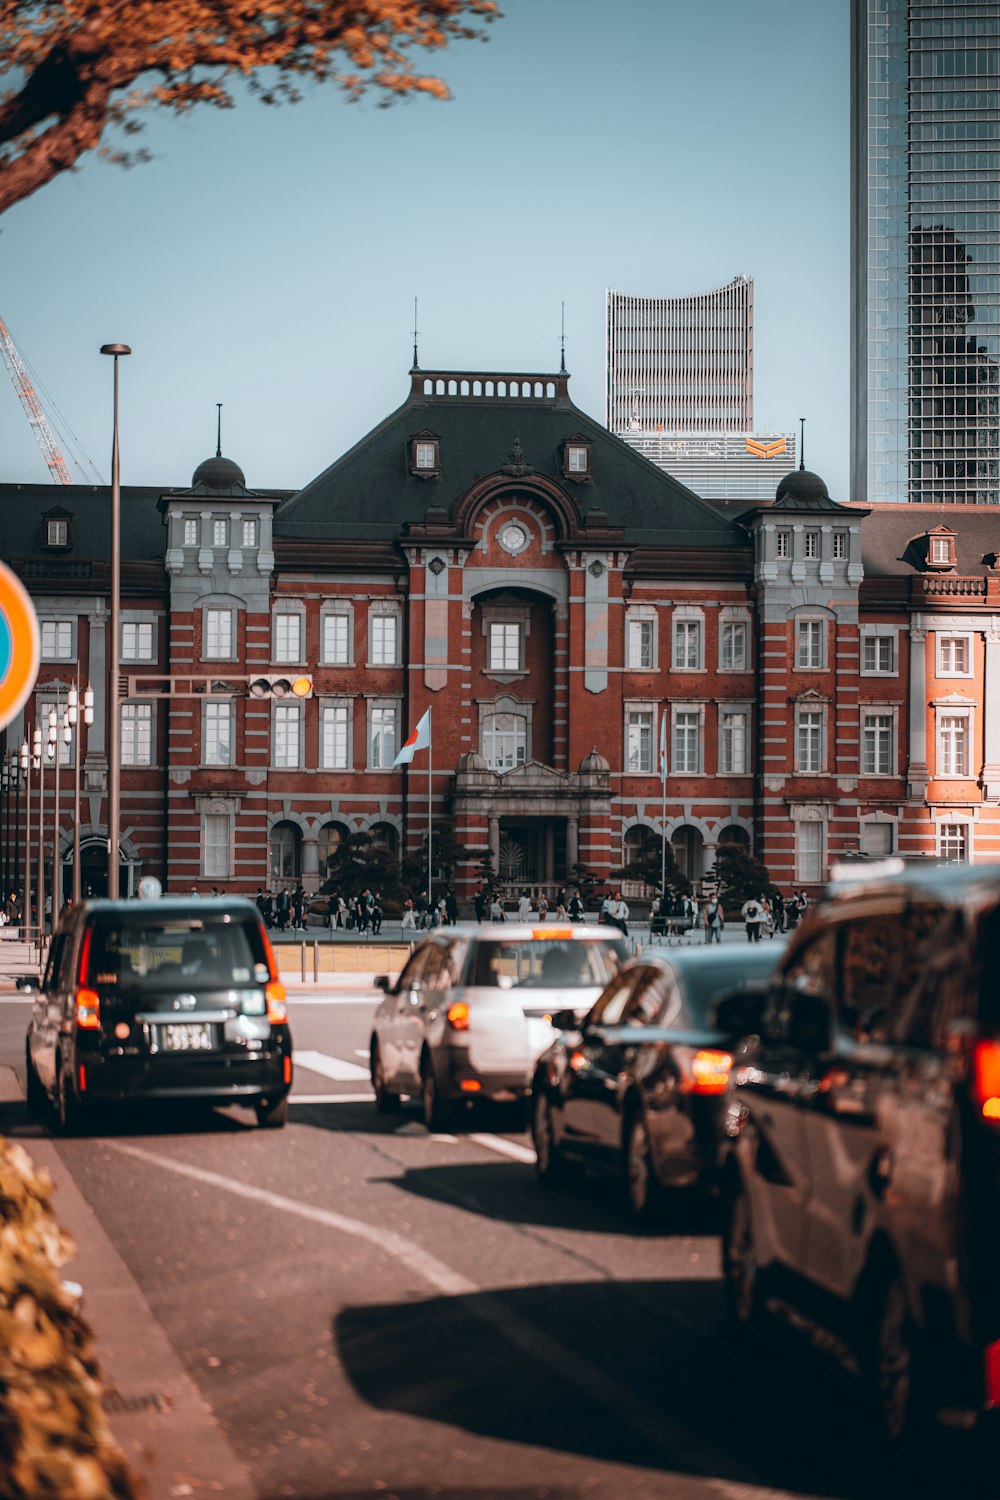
x,y
753,915
524,907
497,913
714,920
409,916
451,906
617,913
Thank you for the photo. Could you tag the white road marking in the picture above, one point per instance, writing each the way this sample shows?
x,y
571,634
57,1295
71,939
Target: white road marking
x,y
356,997
578,1373
505,1148
331,1098
330,1067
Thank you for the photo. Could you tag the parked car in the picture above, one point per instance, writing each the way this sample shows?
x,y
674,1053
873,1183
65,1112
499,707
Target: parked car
x,y
862,1191
164,999
471,1011
638,1089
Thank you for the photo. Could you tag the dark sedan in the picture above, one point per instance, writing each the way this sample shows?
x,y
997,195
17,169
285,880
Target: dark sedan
x,y
638,1090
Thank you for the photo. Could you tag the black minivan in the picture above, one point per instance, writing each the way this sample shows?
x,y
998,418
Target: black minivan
x,y
165,999
862,1188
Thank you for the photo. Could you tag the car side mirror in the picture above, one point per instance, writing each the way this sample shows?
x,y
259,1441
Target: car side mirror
x,y
28,984
565,1020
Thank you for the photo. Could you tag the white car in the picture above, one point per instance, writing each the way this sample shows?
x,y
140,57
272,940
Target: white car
x,y
472,1011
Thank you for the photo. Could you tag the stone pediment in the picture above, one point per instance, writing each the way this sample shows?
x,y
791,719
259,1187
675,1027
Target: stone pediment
x,y
536,777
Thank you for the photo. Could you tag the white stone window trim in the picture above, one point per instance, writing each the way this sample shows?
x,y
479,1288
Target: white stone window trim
x,y
733,615
687,614
377,610
220,609
812,817
138,765
140,617
811,706
840,546
958,709
879,710
336,702
947,817
877,633
731,706
216,869
879,820
372,704
676,709
231,716
57,620
812,543
250,531
337,610
800,621
190,527
294,609
505,614
652,707
505,704
940,636
642,614
287,713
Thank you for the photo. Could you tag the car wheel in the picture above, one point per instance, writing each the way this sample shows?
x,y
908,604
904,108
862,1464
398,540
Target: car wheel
x,y
890,1364
272,1114
739,1260
385,1102
642,1186
35,1097
550,1168
438,1113
69,1110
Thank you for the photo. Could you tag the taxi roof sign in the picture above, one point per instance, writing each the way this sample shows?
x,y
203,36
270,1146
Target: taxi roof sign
x,y
19,646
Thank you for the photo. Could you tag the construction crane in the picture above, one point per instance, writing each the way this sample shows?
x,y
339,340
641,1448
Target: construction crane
x,y
33,408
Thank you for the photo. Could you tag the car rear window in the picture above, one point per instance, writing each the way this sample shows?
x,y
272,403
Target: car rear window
x,y
137,954
537,963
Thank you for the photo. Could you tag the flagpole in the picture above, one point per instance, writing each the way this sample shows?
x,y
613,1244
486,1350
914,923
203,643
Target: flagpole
x,y
663,812
430,815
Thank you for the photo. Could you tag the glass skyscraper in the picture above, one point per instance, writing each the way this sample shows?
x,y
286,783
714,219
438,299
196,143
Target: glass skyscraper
x,y
925,244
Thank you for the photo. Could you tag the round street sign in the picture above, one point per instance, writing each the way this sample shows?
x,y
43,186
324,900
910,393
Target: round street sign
x,y
18,645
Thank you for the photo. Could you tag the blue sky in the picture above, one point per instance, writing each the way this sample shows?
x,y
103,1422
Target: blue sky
x,y
269,258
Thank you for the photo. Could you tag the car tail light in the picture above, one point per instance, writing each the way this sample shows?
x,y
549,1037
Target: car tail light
x,y
458,1015
560,934
88,1010
81,1077
707,1071
991,1370
277,1002
287,1070
986,1078
83,968
470,1085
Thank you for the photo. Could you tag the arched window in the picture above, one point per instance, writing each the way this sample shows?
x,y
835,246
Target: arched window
x,y
505,741
689,851
636,840
387,836
735,835
330,836
285,848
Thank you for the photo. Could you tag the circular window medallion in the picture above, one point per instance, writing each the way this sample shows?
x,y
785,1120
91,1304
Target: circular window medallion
x,y
513,538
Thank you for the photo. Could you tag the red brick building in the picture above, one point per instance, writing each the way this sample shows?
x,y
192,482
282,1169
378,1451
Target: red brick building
x,y
824,676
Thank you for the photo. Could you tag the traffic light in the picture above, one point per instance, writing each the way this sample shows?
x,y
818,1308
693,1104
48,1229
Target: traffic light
x,y
279,686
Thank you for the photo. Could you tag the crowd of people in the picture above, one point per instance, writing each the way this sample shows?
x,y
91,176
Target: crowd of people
x,y
763,915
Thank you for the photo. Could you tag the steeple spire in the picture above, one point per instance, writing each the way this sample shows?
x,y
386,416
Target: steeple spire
x,y
416,362
218,431
802,442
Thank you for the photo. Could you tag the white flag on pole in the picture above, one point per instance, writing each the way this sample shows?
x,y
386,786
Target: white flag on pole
x,y
419,739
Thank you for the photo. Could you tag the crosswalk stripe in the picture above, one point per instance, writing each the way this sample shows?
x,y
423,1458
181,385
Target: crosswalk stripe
x,y
330,1067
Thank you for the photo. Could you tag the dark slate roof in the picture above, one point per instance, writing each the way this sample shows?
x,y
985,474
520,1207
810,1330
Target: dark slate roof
x,y
802,490
369,494
22,507
886,535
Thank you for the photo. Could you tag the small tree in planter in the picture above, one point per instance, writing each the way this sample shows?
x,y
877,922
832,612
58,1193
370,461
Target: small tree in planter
x,y
647,865
739,876
359,864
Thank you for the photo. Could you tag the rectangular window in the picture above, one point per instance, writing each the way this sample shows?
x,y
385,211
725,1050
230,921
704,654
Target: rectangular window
x,y
384,641
809,741
878,653
687,645
426,455
940,549
733,646
382,737
953,745
809,852
954,655
137,641
783,543
877,757
640,645
218,734
334,747
218,643
733,742
137,734
287,735
638,741
249,533
288,637
876,839
953,842
57,640
57,533
190,533
577,460
504,646
840,546
220,533
809,645
686,745
812,544
216,845
337,639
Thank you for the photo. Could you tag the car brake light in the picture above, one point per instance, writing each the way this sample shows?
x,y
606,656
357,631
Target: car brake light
x,y
708,1072
986,1078
83,968
286,1072
561,934
277,1007
991,1369
81,1074
458,1015
88,1010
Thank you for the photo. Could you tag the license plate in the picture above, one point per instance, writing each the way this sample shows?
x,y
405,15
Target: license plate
x,y
186,1038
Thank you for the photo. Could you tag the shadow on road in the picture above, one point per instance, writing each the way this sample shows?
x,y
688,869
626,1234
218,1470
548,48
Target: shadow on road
x,y
637,1373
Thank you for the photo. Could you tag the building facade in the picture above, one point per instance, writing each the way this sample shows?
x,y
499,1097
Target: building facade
x,y
745,466
925,237
822,679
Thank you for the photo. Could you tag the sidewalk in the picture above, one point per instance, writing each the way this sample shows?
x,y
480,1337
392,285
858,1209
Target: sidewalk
x,y
166,1431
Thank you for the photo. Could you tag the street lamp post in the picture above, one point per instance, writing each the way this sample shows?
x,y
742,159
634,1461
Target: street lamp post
x,y
77,715
42,748
114,715
26,900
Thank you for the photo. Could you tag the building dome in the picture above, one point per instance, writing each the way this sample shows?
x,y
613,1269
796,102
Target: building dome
x,y
802,489
219,473
470,761
594,764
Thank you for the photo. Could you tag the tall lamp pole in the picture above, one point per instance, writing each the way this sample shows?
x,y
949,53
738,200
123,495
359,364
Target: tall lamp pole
x,y
77,715
26,759
114,715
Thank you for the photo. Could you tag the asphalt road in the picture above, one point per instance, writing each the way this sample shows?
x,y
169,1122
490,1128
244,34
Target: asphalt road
x,y
370,1310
